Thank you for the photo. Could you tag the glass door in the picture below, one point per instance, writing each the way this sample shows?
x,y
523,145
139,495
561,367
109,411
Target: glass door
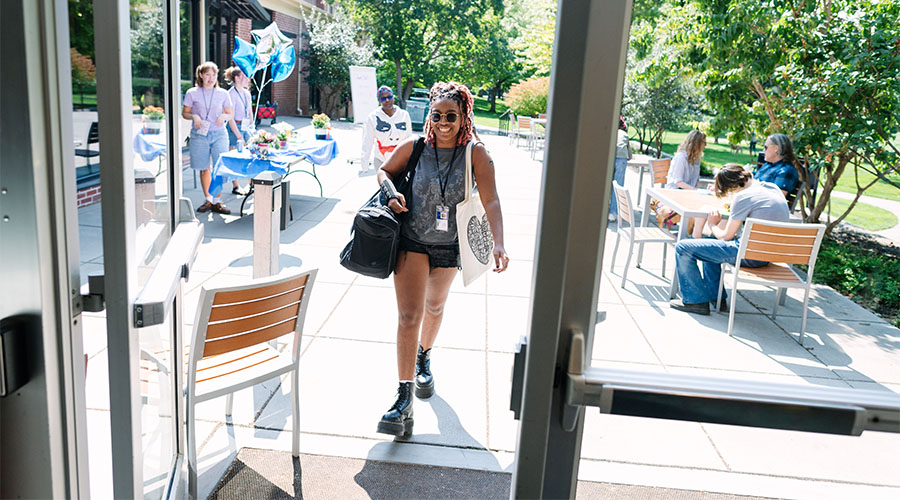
x,y
149,239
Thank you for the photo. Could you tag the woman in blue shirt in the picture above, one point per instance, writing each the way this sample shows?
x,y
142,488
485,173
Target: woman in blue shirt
x,y
779,166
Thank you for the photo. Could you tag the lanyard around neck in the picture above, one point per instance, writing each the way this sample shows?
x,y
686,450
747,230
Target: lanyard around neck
x,y
208,101
444,181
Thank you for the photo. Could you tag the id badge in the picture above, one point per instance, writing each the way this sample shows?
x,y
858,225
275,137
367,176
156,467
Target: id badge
x,y
204,128
442,218
246,124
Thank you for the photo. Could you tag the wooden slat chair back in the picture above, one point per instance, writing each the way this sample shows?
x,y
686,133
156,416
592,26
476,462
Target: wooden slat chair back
x,y
230,348
635,234
779,243
523,129
660,170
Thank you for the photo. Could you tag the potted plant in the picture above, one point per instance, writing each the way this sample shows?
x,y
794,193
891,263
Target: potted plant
x,y
322,124
152,119
282,138
262,142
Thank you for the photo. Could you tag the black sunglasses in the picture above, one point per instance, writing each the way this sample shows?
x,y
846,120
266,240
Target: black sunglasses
x,y
450,117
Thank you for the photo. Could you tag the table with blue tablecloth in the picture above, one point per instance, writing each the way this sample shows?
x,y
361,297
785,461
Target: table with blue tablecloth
x,y
149,146
233,165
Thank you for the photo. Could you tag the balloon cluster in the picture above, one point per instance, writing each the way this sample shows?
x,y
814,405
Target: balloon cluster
x,y
272,48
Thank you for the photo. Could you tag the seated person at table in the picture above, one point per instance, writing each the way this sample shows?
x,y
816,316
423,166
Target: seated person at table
x,y
779,166
684,171
752,198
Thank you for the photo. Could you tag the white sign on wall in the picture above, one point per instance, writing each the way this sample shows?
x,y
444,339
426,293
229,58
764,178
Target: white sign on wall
x,y
363,85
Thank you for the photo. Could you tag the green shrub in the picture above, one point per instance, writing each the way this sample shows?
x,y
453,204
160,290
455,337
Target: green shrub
x,y
868,276
529,98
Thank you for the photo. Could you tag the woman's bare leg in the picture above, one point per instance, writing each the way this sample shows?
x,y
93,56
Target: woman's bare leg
x,y
436,292
410,282
205,181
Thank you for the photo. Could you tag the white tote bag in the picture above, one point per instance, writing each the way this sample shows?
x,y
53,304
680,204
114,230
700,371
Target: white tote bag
x,y
476,243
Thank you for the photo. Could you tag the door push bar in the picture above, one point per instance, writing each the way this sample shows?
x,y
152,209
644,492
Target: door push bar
x,y
153,303
724,401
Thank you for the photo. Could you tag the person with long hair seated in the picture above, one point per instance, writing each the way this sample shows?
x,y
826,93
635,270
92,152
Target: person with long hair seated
x,y
779,166
751,198
684,173
429,257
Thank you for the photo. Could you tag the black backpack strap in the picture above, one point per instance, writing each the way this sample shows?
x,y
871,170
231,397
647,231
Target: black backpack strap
x,y
410,171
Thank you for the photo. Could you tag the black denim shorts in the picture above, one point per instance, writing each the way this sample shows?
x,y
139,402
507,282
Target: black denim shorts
x,y
438,255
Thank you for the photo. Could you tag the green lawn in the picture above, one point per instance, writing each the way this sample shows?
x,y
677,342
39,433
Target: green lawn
x,y
484,117
866,216
881,189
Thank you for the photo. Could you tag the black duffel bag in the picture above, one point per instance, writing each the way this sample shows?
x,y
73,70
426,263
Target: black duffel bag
x,y
375,235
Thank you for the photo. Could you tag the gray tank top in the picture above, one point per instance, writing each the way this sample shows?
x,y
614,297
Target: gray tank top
x,y
420,223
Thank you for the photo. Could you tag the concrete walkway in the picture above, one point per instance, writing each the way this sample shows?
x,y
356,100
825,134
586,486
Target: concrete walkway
x,y
348,369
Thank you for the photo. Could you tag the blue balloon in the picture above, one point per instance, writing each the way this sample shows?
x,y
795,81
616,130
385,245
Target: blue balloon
x,y
244,56
283,63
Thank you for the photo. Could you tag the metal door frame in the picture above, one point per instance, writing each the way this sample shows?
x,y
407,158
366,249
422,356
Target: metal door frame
x,y
44,451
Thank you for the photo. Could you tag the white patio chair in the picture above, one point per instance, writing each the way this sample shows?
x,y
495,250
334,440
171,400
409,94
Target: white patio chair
x,y
230,349
636,234
523,129
779,243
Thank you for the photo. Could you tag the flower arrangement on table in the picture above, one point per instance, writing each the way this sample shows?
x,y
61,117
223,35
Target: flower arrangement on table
x,y
152,119
322,124
282,139
261,142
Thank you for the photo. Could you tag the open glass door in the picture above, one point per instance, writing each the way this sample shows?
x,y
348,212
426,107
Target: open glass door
x,y
554,383
150,239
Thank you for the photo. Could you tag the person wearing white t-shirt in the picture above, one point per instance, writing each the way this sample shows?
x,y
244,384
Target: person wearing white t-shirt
x,y
385,128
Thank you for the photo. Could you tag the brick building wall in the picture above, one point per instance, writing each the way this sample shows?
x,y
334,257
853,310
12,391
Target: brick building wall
x,y
87,196
285,92
293,92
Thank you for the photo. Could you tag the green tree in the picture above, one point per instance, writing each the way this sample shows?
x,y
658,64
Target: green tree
x,y
532,26
823,72
414,34
498,65
657,95
335,44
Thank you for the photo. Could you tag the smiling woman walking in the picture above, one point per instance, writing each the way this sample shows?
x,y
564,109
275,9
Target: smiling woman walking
x,y
209,108
428,258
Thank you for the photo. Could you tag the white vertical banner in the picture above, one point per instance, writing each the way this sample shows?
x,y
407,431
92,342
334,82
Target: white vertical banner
x,y
363,85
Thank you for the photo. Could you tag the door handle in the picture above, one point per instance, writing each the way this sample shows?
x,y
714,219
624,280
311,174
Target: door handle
x,y
153,302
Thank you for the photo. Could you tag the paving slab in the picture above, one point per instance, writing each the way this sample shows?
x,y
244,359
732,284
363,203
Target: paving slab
x,y
854,352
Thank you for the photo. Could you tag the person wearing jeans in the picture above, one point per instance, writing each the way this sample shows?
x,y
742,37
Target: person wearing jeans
x,y
762,200
623,154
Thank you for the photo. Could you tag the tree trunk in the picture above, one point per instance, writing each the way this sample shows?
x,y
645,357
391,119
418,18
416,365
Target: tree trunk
x,y
398,72
495,90
831,177
407,90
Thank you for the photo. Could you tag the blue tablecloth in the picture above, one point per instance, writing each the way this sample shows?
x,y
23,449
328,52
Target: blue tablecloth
x,y
149,146
233,165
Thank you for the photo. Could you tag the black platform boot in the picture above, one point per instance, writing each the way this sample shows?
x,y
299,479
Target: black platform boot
x,y
398,421
424,380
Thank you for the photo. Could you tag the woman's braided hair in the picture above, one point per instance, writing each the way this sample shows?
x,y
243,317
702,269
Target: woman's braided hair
x,y
459,93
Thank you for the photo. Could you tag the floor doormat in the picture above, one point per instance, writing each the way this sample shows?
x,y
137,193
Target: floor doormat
x,y
276,475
